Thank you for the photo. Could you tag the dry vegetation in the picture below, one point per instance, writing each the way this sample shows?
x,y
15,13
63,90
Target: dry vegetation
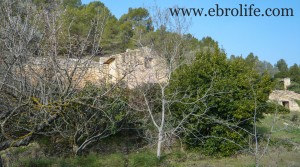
x,y
284,150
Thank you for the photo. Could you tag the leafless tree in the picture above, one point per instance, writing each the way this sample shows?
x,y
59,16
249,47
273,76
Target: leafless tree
x,y
40,81
167,51
258,149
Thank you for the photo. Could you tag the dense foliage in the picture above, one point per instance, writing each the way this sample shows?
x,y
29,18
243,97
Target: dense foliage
x,y
231,90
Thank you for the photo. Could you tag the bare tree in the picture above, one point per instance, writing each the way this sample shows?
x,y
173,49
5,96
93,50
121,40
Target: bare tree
x,y
43,83
259,149
167,51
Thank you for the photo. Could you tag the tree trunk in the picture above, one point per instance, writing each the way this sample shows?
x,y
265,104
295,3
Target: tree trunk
x,y
26,140
13,143
1,162
75,149
159,143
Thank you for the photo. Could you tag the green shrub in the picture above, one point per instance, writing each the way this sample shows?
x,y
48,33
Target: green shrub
x,y
219,96
43,162
90,160
272,107
112,160
295,118
279,85
222,142
143,159
282,142
94,160
179,156
295,87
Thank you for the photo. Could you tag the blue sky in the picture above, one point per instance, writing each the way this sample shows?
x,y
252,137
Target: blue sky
x,y
270,38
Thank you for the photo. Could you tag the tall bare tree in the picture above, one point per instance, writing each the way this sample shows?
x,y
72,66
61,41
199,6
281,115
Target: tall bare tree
x,y
167,54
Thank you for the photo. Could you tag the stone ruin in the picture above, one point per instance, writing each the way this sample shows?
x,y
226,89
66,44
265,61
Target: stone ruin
x,y
286,98
132,68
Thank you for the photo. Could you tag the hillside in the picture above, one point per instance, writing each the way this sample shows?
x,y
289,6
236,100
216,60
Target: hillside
x,y
79,87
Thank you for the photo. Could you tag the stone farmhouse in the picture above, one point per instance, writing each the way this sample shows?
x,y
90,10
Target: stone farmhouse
x,y
134,67
286,98
131,69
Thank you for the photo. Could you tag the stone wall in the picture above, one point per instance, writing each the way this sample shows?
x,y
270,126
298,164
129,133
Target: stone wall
x,y
286,98
286,83
132,68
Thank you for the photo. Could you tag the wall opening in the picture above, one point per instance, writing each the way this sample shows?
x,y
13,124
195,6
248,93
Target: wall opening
x,y
148,62
286,104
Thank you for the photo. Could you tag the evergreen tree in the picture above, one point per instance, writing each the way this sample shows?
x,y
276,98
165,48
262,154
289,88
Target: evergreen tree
x,y
133,25
294,73
282,68
232,88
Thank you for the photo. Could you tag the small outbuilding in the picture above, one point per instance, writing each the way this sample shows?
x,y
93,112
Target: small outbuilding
x,y
288,99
